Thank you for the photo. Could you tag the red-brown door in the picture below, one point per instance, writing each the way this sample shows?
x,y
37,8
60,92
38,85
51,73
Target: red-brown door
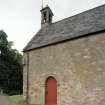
x,y
51,91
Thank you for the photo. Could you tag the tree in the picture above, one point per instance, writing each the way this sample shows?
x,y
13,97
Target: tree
x,y
10,66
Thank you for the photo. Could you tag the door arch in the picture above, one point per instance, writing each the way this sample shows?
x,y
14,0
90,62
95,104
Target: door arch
x,y
50,91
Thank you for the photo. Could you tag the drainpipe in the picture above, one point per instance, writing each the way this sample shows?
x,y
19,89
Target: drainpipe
x,y
27,77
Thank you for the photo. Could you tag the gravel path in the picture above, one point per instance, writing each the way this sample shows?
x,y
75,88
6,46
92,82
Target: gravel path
x,y
4,101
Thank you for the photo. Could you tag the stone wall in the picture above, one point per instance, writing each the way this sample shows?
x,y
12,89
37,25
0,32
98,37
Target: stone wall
x,y
78,66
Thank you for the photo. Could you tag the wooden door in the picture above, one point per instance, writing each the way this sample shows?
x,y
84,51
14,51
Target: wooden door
x,y
51,91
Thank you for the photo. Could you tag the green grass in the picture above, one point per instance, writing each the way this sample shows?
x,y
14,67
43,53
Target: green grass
x,y
15,98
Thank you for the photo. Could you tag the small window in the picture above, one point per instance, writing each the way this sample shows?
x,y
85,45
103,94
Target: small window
x,y
50,18
44,15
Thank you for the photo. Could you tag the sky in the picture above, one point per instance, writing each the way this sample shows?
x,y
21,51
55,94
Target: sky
x,y
21,19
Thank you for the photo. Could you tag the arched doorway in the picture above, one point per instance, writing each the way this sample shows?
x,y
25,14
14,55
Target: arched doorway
x,y
51,91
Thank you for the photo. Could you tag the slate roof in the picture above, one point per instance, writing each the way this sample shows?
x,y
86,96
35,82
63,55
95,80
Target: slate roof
x,y
79,25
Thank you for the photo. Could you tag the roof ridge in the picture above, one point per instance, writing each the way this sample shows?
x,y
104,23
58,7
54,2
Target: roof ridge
x,y
78,14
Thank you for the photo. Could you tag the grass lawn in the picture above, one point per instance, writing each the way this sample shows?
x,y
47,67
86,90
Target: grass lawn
x,y
15,98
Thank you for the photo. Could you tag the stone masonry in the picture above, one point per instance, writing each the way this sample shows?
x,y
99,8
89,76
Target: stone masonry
x,y
78,66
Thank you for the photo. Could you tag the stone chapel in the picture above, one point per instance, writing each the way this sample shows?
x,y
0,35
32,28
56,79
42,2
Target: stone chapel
x,y
64,63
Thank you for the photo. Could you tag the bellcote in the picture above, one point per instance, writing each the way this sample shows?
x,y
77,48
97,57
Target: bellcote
x,y
46,16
